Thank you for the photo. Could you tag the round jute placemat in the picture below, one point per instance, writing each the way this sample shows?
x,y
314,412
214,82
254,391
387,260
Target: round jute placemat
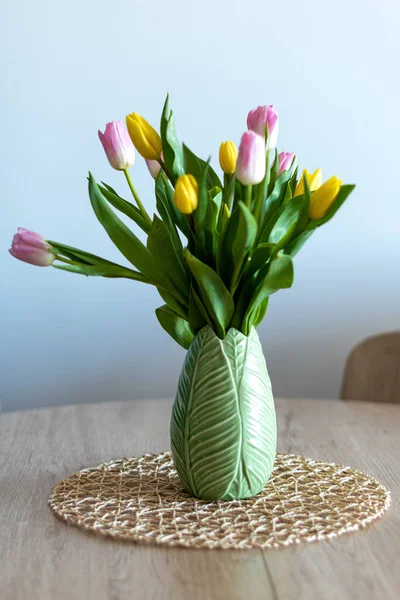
x,y
141,500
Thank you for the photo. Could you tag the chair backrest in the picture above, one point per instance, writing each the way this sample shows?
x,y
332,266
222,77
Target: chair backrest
x,y
372,370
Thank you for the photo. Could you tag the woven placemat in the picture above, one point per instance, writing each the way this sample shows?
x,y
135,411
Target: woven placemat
x,y
141,500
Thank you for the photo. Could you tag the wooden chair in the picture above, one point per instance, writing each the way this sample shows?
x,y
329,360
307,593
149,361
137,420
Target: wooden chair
x,y
372,370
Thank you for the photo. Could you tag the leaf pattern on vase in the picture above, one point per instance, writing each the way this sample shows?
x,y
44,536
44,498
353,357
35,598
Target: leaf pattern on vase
x,y
223,427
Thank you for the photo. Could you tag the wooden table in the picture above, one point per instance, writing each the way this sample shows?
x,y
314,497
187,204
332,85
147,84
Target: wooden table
x,y
41,558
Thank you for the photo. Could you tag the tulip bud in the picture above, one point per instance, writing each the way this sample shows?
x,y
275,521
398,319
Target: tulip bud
x,y
227,157
146,139
259,118
31,248
186,194
285,161
117,145
314,181
154,167
251,162
323,198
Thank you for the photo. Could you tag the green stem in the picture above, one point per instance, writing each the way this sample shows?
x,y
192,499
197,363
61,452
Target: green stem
x,y
230,192
247,195
191,220
191,232
262,191
237,193
64,260
164,168
225,188
136,196
223,201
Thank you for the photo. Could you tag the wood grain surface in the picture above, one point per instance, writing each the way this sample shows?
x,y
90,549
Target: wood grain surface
x,y
41,558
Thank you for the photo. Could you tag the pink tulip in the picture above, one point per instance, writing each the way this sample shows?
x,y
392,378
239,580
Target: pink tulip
x,y
153,167
285,160
250,166
118,145
259,118
32,248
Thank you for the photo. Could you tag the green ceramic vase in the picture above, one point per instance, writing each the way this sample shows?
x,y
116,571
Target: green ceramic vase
x,y
223,425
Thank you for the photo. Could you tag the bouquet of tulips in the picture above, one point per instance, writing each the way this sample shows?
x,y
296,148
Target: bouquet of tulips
x,y
216,251
219,247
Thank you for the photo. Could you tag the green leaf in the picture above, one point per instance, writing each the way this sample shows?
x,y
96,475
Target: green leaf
x,y
200,305
229,190
238,193
195,166
293,180
262,191
274,201
178,307
223,426
125,207
173,233
211,227
344,193
260,312
274,172
307,191
278,274
78,255
288,194
168,260
91,264
175,326
224,218
275,275
237,241
214,193
197,314
126,241
243,297
172,149
292,218
297,243
200,214
217,300
110,189
259,257
102,270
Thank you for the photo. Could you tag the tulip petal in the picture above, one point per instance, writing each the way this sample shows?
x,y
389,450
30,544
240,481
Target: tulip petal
x,y
228,157
117,145
251,162
261,117
144,137
186,194
323,198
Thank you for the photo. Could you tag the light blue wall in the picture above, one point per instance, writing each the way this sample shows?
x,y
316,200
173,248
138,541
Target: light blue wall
x,y
331,68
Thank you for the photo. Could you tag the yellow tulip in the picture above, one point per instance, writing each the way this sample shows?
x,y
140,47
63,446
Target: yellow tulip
x,y
314,181
186,194
145,139
323,198
227,157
